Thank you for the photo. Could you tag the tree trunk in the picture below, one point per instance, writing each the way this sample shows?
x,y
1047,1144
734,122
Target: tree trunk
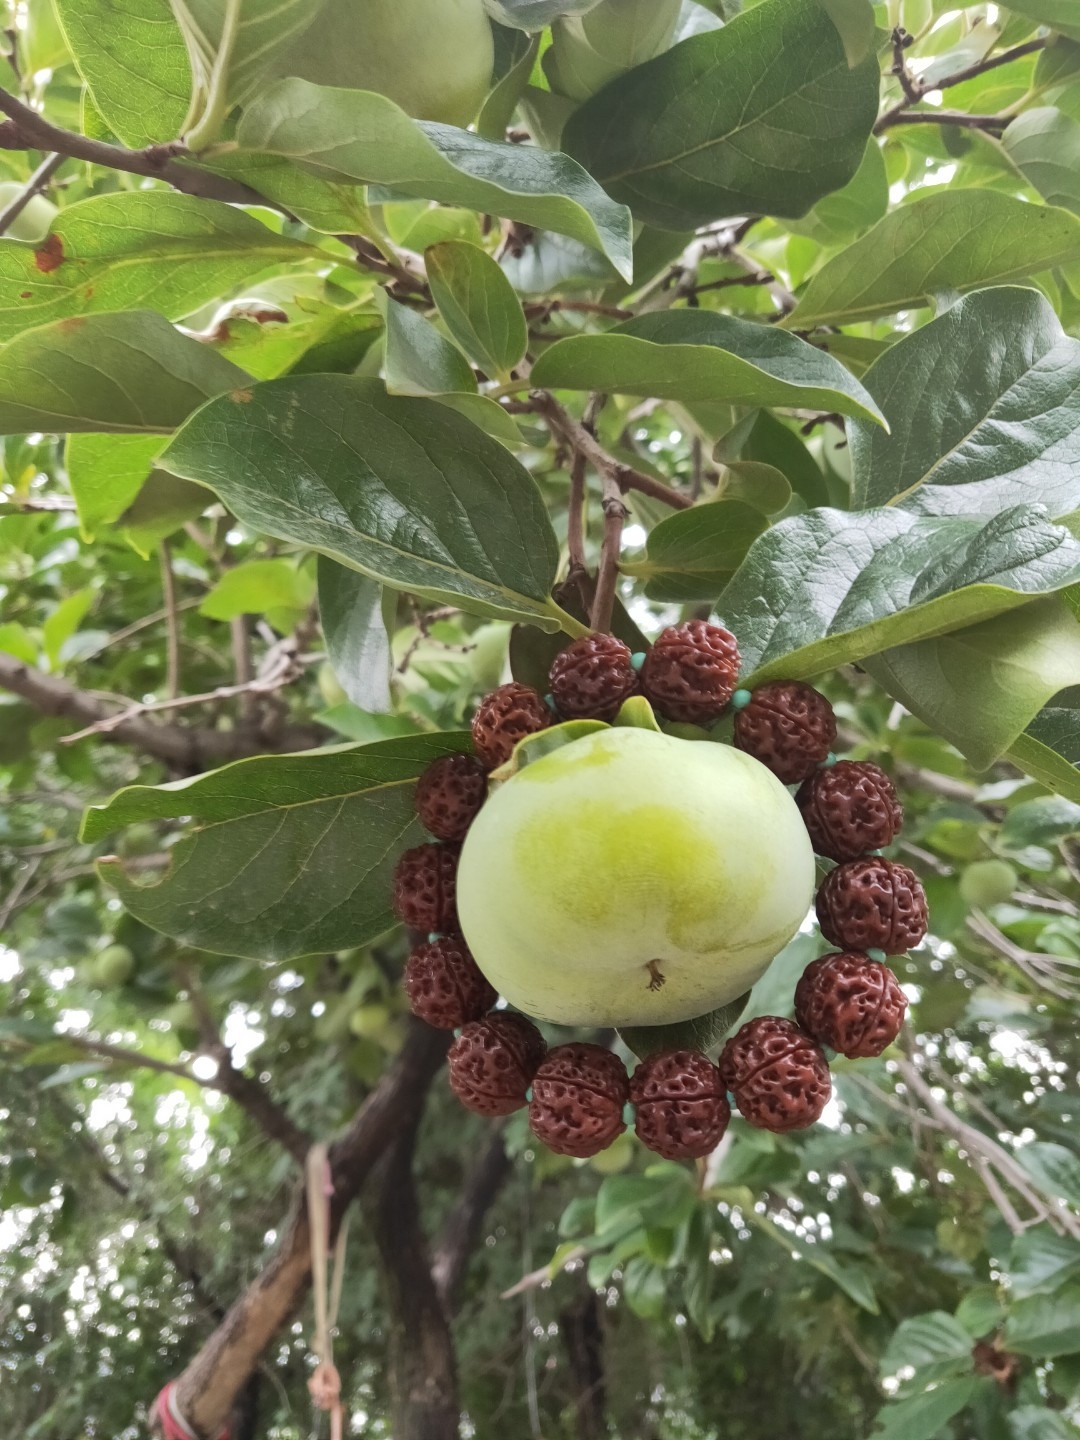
x,y
583,1338
421,1365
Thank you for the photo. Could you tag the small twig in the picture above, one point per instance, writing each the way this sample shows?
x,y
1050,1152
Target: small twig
x,y
37,182
901,40
543,1276
575,515
544,309
969,72
991,124
11,904
607,576
760,277
172,628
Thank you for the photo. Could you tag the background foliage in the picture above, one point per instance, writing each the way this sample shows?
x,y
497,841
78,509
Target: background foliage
x,y
299,421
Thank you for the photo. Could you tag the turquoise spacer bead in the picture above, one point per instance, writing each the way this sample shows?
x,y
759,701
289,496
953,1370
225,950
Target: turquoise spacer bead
x,y
549,701
629,1113
829,761
529,1095
741,699
433,937
876,955
637,660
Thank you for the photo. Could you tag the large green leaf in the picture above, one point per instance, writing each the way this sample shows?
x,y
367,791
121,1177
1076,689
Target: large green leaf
x,y
934,1345
944,242
980,687
138,249
350,609
1049,749
1045,1324
694,355
693,554
761,117
1041,1262
335,463
984,409
106,472
124,374
704,1032
1054,1169
264,28
829,587
357,136
478,305
132,57
1060,15
1044,144
923,1417
292,854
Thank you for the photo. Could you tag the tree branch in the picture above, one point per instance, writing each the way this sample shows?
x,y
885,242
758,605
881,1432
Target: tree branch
x,y
607,576
915,89
991,124
186,748
212,1382
37,182
31,131
462,1229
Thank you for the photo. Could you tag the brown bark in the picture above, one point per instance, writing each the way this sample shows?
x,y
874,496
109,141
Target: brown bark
x,y
420,1350
581,1326
210,1387
462,1229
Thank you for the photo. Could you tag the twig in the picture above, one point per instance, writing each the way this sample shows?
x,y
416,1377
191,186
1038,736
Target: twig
x,y
1041,970
607,576
31,131
118,636
543,1276
10,905
172,628
188,748
969,72
37,182
575,434
991,124
575,515
900,42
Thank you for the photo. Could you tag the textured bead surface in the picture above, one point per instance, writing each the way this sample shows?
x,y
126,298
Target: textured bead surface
x,y
778,1075
850,809
681,1103
504,717
578,1096
425,884
449,794
592,677
790,727
690,673
851,1004
872,904
445,985
493,1061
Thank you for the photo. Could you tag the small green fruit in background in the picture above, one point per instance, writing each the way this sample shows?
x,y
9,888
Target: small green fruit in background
x,y
434,58
33,221
617,1157
181,1016
589,50
630,878
987,883
113,967
138,840
368,1022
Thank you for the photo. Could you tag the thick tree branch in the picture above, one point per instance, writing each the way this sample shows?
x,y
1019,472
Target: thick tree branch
x,y
462,1229
421,1365
210,1386
582,1328
607,576
176,745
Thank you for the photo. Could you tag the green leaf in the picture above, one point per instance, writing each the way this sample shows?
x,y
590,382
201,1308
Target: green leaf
x,y
854,20
1060,15
850,211
1045,1325
334,463
1035,1422
762,486
702,1033
535,14
693,554
132,57
830,587
947,241
15,640
106,473
1044,144
693,355
770,442
1049,749
922,1416
980,687
761,117
138,249
256,586
644,1289
1041,1262
293,854
1053,1168
62,624
332,207
125,374
515,55
478,305
419,359
934,1346
1039,822
164,503
984,409
350,608
358,136
265,27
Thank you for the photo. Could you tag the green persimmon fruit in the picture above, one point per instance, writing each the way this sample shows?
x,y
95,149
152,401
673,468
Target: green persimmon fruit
x,y
434,58
988,882
113,967
632,878
589,50
368,1022
33,221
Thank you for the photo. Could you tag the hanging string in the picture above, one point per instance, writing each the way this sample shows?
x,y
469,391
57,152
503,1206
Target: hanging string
x,y
167,1415
325,1383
